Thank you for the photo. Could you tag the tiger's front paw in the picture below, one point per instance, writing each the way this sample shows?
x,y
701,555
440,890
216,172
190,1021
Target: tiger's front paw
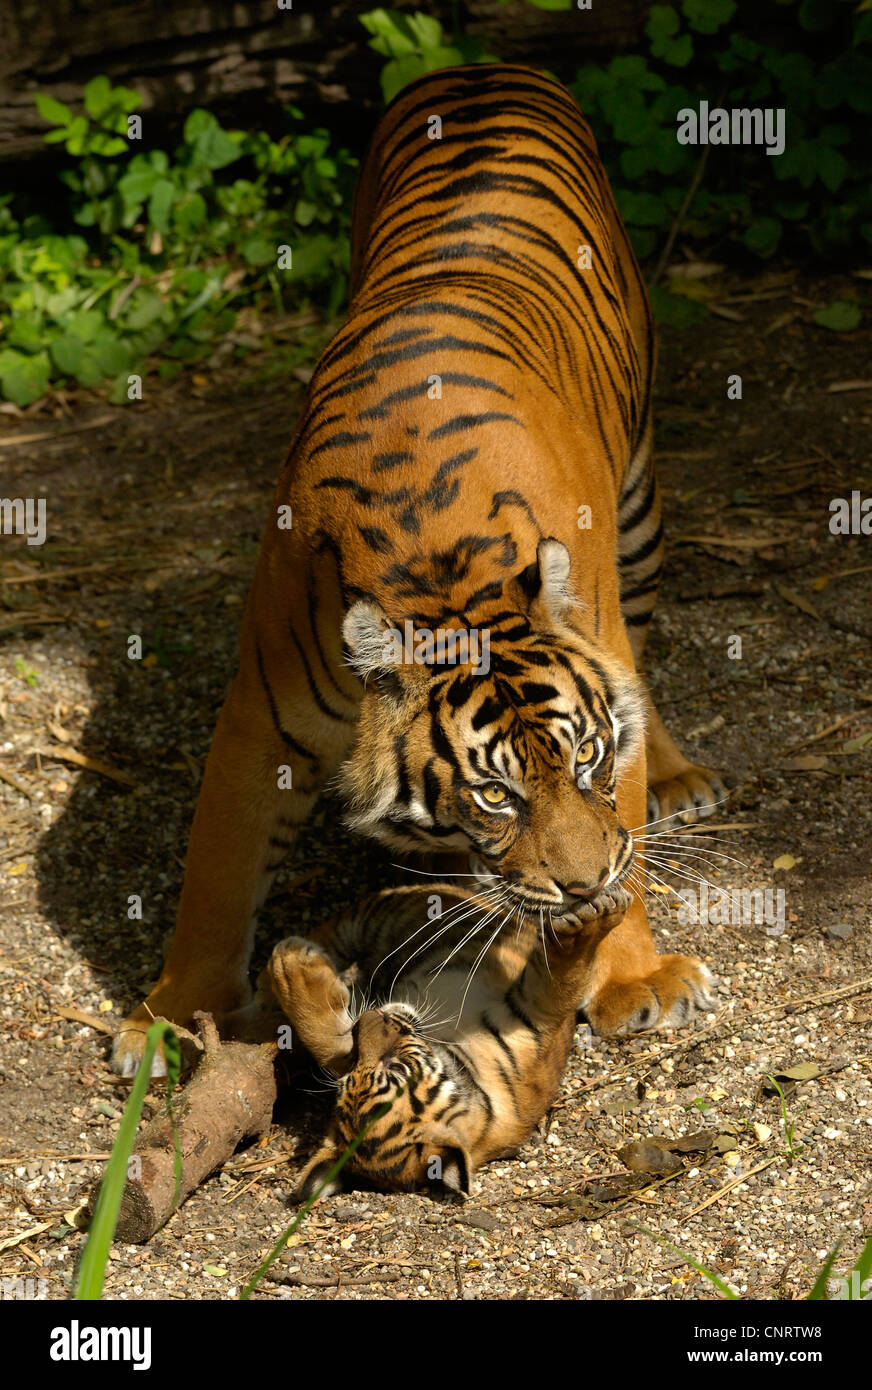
x,y
686,797
670,997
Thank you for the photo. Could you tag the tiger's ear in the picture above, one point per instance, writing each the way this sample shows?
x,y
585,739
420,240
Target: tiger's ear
x,y
374,645
456,1171
545,583
450,1163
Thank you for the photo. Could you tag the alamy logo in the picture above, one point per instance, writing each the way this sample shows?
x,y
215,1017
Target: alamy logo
x,y
23,516
739,907
419,646
75,1343
852,518
738,126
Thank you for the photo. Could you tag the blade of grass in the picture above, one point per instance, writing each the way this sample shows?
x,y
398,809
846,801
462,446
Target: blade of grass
x,y
688,1259
304,1210
92,1266
819,1288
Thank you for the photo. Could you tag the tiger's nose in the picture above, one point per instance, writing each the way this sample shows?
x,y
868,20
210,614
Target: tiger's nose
x,y
376,1034
584,890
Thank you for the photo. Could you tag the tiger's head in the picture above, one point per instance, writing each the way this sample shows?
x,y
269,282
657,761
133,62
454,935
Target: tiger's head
x,y
513,761
396,1087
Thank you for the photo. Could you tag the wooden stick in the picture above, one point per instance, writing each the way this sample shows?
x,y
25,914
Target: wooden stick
x,y
230,1098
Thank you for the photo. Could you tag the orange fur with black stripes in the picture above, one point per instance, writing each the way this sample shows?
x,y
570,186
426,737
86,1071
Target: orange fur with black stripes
x,y
452,1041
486,388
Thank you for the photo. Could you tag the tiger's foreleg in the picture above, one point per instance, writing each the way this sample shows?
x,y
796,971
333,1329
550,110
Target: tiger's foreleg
x,y
269,758
628,986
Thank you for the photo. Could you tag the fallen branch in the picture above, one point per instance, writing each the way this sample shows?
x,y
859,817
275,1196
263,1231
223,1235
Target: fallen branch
x,y
230,1098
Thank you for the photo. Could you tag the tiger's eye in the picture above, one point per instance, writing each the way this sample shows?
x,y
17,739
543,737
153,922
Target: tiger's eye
x,y
585,753
494,794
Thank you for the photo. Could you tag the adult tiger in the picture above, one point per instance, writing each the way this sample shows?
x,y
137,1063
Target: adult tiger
x,y
486,386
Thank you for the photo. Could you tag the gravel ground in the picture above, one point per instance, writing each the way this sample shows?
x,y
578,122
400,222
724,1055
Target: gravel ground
x,y
154,517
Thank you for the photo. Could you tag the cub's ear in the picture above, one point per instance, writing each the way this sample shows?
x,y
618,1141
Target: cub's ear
x,y
312,1180
375,648
450,1163
545,583
456,1174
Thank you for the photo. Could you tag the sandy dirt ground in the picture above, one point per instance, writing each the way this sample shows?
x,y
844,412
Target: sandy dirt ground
x,y
154,518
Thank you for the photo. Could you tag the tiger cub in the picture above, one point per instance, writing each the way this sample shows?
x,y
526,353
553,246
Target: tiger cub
x,y
465,1031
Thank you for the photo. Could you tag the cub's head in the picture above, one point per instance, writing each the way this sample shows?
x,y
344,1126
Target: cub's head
x,y
503,739
401,1088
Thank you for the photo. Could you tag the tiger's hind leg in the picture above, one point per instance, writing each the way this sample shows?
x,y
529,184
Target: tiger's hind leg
x,y
676,787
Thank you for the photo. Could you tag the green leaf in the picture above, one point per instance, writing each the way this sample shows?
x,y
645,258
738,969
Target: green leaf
x,y
26,333
98,97
425,30
52,110
832,166
102,143
633,68
190,214
257,250
72,358
663,23
641,209
111,353
763,236
675,310
212,147
144,307
24,378
816,15
136,185
313,258
707,16
678,52
841,316
391,32
160,204
76,135
85,325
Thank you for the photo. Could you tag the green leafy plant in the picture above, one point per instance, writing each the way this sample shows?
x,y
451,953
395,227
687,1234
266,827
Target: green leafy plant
x,y
168,248
414,44
810,58
26,673
793,1149
101,1230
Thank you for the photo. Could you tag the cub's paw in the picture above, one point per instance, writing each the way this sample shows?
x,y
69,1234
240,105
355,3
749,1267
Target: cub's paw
x,y
607,909
302,971
670,997
686,797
